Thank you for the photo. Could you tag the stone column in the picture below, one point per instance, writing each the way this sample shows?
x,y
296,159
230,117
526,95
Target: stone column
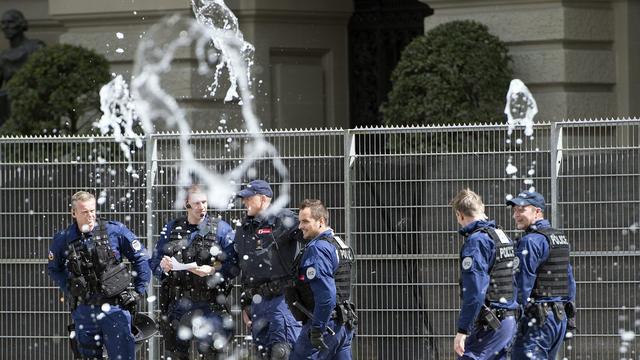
x,y
563,50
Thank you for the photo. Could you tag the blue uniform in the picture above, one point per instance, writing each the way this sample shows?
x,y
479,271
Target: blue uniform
x,y
477,256
534,341
317,268
183,309
266,248
98,325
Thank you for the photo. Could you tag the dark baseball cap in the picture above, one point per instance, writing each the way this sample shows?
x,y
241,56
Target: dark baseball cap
x,y
256,187
528,198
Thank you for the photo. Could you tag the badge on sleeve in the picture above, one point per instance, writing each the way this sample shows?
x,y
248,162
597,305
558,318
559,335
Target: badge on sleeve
x,y
311,272
135,244
51,257
467,262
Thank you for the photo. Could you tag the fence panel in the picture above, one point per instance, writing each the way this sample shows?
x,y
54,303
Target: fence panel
x,y
388,192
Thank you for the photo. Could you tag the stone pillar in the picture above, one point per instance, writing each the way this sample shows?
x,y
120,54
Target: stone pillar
x,y
563,50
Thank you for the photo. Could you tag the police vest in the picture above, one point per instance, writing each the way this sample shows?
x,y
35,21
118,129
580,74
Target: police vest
x,y
266,255
93,267
552,277
501,273
342,276
184,283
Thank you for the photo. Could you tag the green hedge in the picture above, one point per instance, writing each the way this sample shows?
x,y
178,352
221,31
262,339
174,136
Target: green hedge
x,y
457,73
56,91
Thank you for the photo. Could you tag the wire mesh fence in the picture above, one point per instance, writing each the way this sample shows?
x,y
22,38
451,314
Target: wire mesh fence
x,y
387,190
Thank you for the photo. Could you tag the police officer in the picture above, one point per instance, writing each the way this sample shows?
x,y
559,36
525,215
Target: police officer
x,y
546,286
85,261
487,315
267,243
320,297
193,303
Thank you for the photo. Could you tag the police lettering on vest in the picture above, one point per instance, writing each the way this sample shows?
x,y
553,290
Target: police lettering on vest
x,y
552,277
501,273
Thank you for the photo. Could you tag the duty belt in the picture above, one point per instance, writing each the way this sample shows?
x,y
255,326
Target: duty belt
x,y
502,314
539,311
270,289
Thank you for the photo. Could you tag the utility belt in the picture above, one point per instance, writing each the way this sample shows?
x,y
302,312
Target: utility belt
x,y
204,295
97,300
539,311
170,292
269,290
345,314
492,317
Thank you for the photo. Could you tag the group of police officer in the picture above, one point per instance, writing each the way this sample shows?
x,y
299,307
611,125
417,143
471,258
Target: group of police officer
x,y
294,272
517,301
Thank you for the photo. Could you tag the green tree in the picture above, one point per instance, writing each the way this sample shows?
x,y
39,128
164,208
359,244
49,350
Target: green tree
x,y
56,90
457,73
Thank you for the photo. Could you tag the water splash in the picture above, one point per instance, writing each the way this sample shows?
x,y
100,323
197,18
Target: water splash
x,y
220,49
520,109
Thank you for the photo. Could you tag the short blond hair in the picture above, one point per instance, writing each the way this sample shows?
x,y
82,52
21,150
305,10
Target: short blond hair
x,y
81,196
468,203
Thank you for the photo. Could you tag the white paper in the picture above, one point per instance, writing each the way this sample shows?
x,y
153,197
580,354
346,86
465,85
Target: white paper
x,y
177,265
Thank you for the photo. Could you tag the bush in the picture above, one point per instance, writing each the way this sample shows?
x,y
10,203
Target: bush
x,y
56,90
457,73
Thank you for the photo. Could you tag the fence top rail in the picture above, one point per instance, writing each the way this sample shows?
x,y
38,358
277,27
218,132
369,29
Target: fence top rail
x,y
599,122
318,131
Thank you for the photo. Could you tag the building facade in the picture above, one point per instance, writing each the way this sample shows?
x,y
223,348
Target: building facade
x,y
580,58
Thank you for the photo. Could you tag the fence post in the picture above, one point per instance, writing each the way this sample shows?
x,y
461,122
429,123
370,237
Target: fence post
x,y
555,148
349,144
151,160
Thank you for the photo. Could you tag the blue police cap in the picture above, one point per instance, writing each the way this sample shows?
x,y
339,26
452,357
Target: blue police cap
x,y
256,187
528,198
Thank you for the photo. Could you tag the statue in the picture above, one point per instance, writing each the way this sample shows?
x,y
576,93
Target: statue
x,y
14,26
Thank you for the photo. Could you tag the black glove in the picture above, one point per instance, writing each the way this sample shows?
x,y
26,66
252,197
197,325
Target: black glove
x,y
315,337
129,300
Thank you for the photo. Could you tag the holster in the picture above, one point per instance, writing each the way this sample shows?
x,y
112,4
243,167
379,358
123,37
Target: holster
x,y
538,312
558,311
486,317
346,314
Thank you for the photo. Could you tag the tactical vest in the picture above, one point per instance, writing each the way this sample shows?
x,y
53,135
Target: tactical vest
x,y
184,283
268,254
501,273
302,290
552,277
94,269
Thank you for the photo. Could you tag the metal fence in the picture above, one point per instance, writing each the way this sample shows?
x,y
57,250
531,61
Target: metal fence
x,y
388,191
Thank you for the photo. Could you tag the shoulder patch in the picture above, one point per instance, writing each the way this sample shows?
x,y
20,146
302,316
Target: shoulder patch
x,y
51,257
311,273
135,244
467,262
